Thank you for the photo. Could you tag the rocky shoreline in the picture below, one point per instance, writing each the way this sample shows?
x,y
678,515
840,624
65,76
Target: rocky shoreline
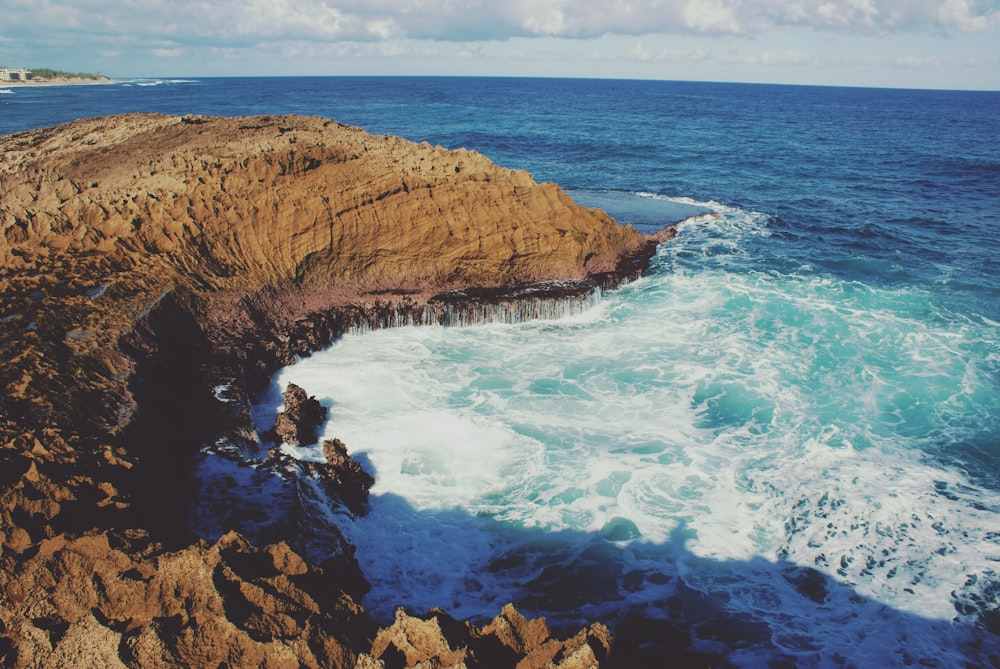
x,y
157,271
59,81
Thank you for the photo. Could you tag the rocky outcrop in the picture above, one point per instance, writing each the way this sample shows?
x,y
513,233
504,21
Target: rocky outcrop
x,y
342,477
509,640
116,601
299,423
155,271
271,201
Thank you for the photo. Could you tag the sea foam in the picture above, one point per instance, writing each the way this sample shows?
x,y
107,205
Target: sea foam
x,y
719,426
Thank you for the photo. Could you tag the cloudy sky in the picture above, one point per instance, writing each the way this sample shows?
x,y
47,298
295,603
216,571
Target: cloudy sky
x,y
904,43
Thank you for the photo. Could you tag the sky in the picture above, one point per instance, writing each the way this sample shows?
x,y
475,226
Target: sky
x,y
890,43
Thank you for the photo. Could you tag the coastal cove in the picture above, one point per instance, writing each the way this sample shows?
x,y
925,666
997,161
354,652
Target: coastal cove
x,y
165,266
778,447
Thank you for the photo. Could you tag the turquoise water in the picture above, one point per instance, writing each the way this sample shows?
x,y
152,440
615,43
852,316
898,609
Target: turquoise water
x,y
710,426
792,422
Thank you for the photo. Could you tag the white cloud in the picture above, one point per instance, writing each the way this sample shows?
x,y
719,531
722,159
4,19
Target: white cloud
x,y
167,53
957,13
858,15
552,22
709,39
268,19
711,16
785,57
382,29
794,57
468,50
235,22
667,54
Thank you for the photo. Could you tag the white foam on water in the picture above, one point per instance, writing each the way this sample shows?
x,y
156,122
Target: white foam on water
x,y
159,82
713,424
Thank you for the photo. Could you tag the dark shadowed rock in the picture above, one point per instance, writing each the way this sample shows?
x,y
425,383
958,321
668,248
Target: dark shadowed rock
x,y
343,476
299,423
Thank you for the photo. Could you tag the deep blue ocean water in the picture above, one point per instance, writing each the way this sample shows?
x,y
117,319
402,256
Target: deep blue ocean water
x,y
793,421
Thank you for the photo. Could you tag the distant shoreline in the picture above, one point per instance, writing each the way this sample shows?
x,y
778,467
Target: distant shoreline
x,y
58,81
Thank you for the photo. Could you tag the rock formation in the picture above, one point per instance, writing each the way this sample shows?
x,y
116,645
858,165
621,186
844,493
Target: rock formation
x,y
341,475
299,423
509,640
115,600
155,271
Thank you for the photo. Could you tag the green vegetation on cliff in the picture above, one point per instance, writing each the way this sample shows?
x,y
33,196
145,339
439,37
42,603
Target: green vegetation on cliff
x,y
49,73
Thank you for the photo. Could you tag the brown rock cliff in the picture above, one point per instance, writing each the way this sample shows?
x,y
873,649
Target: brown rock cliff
x,y
238,203
148,259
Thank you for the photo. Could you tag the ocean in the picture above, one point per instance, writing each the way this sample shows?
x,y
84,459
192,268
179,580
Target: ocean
x,y
790,424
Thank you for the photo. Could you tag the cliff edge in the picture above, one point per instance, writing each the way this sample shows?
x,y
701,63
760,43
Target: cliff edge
x,y
148,261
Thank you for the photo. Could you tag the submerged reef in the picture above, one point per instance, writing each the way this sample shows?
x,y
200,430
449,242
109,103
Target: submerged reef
x,y
156,271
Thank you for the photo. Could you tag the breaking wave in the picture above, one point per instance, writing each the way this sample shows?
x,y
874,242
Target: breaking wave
x,y
773,438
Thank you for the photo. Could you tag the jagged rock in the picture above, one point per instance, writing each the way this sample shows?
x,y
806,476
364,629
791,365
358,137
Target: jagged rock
x,y
89,602
270,200
341,476
510,640
299,423
344,476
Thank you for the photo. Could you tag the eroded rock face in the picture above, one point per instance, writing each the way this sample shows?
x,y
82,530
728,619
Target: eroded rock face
x,y
114,602
344,476
270,200
509,640
299,423
153,269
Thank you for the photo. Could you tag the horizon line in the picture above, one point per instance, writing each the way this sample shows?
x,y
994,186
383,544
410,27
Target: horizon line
x,y
552,77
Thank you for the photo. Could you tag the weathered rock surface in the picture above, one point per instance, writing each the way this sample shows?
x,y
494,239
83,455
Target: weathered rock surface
x,y
344,476
509,640
305,201
299,423
115,600
341,476
155,271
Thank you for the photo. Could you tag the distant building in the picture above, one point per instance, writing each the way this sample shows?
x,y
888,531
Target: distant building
x,y
14,74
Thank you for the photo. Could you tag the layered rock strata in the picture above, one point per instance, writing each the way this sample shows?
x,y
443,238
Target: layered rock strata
x,y
155,271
